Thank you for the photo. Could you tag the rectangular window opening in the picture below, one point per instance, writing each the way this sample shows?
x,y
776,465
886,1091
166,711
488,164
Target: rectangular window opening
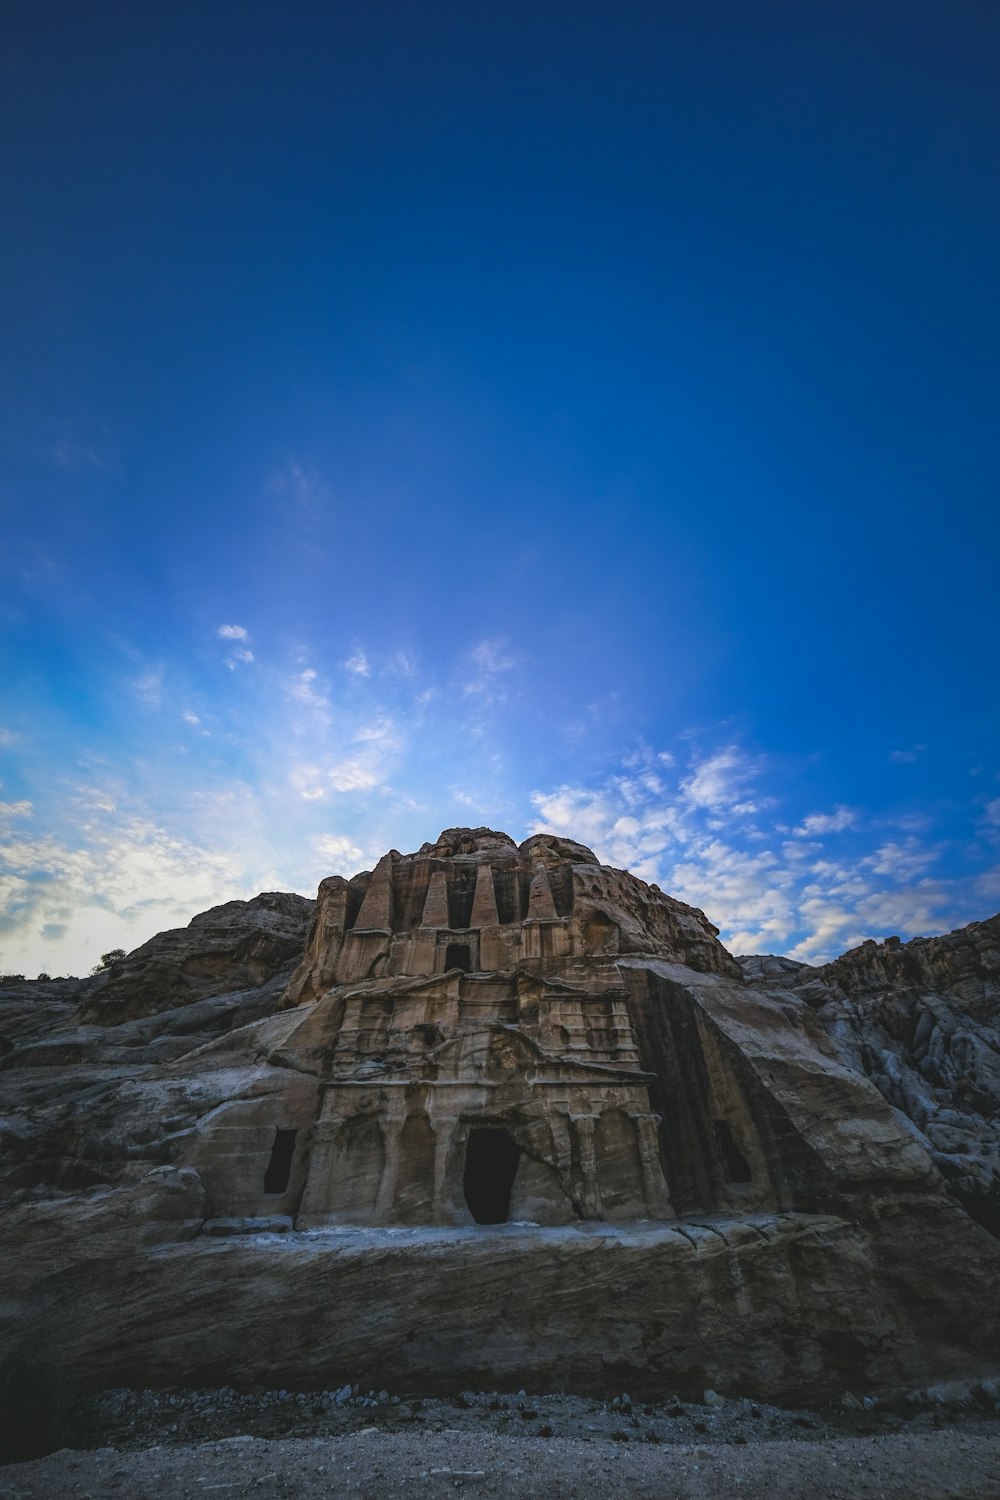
x,y
458,956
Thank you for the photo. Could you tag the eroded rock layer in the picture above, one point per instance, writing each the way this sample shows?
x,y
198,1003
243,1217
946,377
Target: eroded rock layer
x,y
513,1112
237,946
922,1021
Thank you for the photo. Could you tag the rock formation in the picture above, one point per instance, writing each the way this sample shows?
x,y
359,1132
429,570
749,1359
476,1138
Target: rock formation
x,y
515,1118
238,946
922,1021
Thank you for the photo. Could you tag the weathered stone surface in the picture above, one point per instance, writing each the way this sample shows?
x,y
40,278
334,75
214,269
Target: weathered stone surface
x,y
922,1021
515,1119
82,1105
658,1308
232,947
552,898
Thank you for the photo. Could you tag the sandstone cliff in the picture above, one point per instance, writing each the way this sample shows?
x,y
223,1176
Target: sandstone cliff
x,y
514,1117
922,1021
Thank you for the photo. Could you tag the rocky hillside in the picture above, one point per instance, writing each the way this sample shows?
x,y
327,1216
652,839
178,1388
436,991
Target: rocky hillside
x,y
234,947
72,1050
528,1119
922,1021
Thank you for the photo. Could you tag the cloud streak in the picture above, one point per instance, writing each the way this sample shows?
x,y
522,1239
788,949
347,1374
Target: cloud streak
x,y
701,837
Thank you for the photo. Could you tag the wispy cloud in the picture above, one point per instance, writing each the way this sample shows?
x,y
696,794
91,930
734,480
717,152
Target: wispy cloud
x,y
358,664
907,757
125,879
403,664
820,823
308,694
307,781
339,855
15,809
79,448
148,688
299,490
717,782
310,765
900,861
240,654
701,837
366,767
488,660
486,680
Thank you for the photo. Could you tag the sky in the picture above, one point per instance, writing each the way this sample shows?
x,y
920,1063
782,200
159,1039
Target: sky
x,y
573,417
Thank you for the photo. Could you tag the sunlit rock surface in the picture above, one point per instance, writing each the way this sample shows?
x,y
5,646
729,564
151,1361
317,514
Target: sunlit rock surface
x,y
514,1118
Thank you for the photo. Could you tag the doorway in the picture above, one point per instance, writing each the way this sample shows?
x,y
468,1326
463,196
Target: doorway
x,y
279,1168
737,1166
458,956
491,1159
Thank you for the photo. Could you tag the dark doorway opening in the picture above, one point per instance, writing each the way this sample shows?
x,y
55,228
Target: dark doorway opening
x,y
737,1166
491,1159
458,956
280,1166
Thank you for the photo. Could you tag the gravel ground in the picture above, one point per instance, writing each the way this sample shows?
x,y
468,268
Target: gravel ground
x,y
907,1466
372,1444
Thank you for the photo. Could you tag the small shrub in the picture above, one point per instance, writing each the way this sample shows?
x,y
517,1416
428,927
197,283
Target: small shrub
x,y
109,961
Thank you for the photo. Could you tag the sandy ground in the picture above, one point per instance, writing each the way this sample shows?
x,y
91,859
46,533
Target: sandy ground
x,y
375,1462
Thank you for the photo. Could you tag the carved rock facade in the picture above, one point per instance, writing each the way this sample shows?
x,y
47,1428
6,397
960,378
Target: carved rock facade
x,y
479,1060
700,1186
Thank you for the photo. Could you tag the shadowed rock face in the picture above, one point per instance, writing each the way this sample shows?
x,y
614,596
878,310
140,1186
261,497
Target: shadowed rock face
x,y
522,1111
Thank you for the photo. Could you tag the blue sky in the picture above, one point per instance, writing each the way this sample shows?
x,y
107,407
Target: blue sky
x,y
550,416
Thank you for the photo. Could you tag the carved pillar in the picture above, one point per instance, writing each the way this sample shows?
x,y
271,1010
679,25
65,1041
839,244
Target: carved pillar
x,y
436,904
590,1191
320,1185
562,1147
541,907
484,903
377,908
444,1136
392,1122
653,1182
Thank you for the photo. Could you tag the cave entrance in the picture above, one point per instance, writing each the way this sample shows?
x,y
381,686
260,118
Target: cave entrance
x,y
280,1166
491,1159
